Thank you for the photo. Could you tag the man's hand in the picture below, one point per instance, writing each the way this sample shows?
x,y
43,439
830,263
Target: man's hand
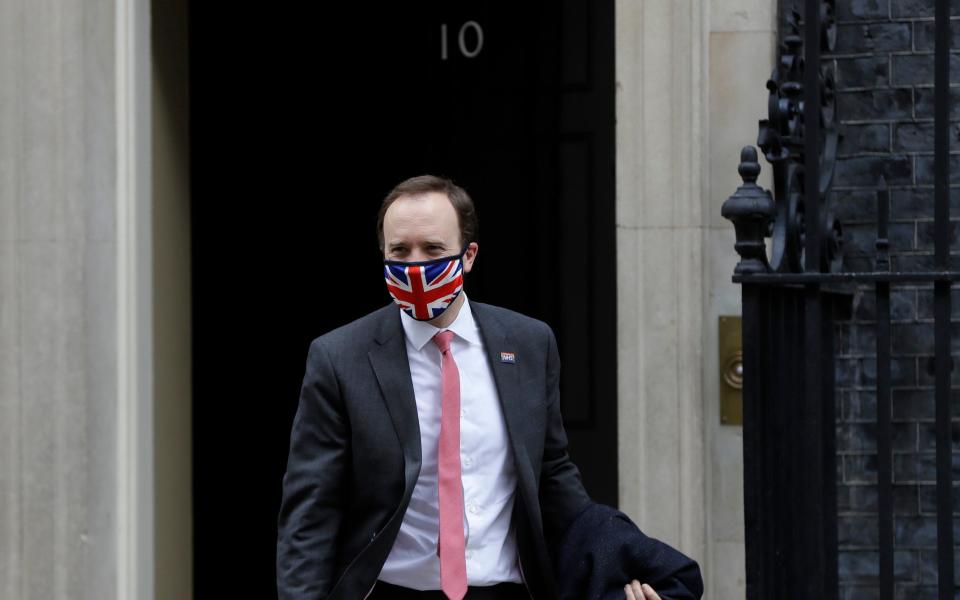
x,y
635,591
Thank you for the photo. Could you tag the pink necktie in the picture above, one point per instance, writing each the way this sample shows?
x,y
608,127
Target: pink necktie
x,y
453,565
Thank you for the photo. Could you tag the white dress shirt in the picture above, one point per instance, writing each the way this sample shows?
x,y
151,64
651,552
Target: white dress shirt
x,y
486,461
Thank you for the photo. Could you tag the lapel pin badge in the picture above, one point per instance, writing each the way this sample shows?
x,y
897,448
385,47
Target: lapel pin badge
x,y
508,357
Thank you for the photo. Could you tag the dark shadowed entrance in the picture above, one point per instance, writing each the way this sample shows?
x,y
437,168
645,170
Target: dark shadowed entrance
x,y
302,119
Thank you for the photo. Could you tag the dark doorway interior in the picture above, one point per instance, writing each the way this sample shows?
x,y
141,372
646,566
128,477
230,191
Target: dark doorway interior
x,y
302,119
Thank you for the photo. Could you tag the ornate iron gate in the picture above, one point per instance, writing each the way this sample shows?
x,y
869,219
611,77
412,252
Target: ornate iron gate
x,y
791,292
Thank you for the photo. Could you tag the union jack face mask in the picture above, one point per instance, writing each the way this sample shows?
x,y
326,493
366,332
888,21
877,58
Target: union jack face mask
x,y
425,289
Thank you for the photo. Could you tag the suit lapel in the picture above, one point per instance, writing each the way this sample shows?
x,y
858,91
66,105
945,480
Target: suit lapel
x,y
392,368
497,339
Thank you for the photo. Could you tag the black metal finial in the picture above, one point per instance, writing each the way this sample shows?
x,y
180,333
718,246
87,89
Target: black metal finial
x,y
749,168
750,209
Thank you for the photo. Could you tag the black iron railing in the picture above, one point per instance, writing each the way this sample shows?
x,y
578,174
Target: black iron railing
x,y
790,294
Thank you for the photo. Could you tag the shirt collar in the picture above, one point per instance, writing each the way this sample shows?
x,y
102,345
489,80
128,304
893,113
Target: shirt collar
x,y
420,332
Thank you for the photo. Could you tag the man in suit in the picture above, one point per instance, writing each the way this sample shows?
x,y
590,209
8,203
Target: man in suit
x,y
428,457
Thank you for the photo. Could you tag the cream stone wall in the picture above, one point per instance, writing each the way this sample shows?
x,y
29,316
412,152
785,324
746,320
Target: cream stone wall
x,y
690,89
58,348
75,355
660,164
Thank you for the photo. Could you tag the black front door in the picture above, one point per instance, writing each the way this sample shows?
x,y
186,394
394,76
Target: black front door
x,y
302,118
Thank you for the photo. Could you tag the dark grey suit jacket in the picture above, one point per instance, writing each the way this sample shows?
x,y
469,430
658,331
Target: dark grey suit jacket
x,y
355,453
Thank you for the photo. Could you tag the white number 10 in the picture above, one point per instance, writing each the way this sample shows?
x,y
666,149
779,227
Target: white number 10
x,y
462,40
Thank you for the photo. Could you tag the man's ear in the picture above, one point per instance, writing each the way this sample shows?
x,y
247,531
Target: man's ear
x,y
469,256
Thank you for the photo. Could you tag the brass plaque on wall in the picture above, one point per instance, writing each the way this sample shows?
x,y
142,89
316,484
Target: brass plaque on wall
x,y
731,371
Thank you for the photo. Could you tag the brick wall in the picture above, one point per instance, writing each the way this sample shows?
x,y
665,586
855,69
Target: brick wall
x,y
884,74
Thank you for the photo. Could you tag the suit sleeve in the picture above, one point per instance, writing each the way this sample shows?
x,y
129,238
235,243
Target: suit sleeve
x,y
562,495
312,507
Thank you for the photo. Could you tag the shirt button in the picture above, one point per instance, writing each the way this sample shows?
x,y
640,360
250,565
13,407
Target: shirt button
x,y
474,509
463,412
467,461
468,554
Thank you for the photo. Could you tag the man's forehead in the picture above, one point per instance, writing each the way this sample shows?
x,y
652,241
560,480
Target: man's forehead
x,y
421,211
426,201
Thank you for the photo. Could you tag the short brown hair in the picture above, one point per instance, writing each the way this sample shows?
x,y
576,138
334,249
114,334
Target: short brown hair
x,y
423,184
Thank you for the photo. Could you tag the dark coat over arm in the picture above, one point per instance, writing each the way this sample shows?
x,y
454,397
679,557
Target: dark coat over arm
x,y
603,549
